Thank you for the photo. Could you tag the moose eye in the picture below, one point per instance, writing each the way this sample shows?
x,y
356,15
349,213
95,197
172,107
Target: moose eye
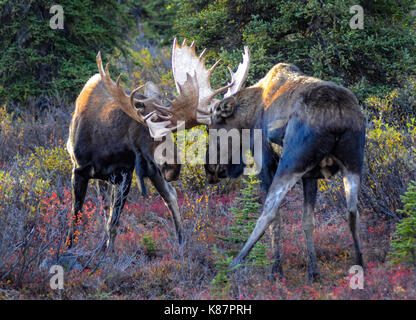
x,y
139,105
217,118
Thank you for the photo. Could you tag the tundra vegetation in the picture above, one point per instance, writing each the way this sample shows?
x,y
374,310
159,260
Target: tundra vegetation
x,y
42,71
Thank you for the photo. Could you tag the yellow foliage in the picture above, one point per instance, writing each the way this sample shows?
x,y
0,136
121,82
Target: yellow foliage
x,y
386,104
152,68
49,162
385,142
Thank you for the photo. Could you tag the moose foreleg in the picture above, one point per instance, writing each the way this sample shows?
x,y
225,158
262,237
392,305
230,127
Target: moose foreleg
x,y
280,186
79,190
275,231
168,193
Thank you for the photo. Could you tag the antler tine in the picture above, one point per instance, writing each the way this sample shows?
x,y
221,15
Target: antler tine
x,y
203,111
99,63
223,89
161,116
211,70
118,80
107,72
201,56
159,129
149,115
240,75
163,110
132,93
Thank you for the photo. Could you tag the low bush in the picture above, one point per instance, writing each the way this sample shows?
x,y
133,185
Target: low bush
x,y
404,244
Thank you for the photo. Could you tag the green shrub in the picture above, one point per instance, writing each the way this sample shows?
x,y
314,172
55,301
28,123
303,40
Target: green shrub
x,y
149,245
50,163
245,216
404,244
34,175
396,107
150,64
192,176
221,284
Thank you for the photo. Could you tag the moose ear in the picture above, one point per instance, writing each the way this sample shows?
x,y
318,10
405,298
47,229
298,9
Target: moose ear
x,y
226,107
152,91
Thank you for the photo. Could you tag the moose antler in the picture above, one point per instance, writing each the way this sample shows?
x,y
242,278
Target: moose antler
x,y
125,102
185,61
178,110
196,98
238,78
195,102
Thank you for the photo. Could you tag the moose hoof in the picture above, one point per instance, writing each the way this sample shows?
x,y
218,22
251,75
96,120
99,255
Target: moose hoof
x,y
235,263
273,276
314,276
276,271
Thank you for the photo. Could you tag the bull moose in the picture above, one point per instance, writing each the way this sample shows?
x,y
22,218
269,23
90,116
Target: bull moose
x,y
106,143
112,133
311,130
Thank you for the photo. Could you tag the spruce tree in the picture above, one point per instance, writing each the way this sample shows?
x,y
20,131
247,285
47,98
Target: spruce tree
x,y
404,244
37,60
246,213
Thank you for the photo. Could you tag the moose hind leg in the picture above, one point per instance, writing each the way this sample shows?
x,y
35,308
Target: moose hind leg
x,y
308,223
121,190
79,189
275,232
352,187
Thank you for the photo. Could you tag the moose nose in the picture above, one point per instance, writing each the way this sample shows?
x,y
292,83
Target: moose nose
x,y
212,178
171,172
222,173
